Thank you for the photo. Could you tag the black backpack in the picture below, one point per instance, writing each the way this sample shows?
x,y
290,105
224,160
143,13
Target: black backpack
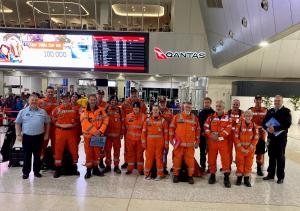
x,y
48,160
67,163
16,157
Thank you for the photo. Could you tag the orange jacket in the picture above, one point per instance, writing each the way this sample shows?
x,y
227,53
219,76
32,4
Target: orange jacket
x,y
235,117
127,106
47,104
91,122
115,126
246,136
258,118
258,115
65,114
185,129
155,129
167,115
103,104
134,125
220,125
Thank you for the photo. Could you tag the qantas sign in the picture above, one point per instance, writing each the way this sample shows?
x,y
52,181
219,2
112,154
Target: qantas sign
x,y
160,55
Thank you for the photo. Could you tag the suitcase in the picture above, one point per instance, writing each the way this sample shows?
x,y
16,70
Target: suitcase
x,y
16,157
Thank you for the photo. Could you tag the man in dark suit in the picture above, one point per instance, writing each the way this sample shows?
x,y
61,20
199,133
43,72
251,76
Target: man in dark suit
x,y
203,114
277,138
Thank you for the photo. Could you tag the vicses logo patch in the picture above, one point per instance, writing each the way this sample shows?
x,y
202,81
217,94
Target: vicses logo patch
x,y
160,55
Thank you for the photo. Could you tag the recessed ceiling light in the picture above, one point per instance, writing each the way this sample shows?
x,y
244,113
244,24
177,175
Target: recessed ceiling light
x,y
121,74
157,75
263,44
70,10
92,70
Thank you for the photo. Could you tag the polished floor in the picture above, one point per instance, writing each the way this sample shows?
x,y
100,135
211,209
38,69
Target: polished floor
x,y
122,192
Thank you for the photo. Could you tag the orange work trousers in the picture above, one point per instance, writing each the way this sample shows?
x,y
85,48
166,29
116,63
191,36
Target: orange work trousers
x,y
65,139
135,154
154,151
52,138
183,153
215,147
244,163
115,143
92,154
230,147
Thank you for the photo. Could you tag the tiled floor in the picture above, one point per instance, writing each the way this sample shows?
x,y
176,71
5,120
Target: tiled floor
x,y
122,192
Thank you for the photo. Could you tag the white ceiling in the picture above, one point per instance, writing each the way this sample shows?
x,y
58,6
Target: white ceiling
x,y
280,59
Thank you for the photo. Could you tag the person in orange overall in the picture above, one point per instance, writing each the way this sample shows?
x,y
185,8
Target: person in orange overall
x,y
246,138
133,130
102,104
114,134
185,129
155,140
127,108
167,114
235,114
48,104
217,129
259,114
94,122
78,109
66,120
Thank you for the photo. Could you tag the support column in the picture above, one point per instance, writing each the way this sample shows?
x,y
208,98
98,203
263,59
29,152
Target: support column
x,y
121,93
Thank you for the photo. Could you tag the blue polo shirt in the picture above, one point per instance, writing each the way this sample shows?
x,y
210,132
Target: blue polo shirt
x,y
33,121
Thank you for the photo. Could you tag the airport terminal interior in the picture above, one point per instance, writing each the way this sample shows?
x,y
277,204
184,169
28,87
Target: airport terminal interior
x,y
127,59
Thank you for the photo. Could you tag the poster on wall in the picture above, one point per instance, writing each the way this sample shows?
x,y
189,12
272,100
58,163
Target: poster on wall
x,y
46,50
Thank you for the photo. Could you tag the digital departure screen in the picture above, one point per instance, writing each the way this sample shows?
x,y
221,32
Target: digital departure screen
x,y
119,53
74,50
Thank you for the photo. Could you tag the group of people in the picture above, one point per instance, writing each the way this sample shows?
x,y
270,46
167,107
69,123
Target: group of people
x,y
215,132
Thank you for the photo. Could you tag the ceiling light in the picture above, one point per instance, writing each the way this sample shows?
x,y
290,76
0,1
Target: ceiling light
x,y
92,70
40,7
5,9
50,71
121,74
137,10
263,44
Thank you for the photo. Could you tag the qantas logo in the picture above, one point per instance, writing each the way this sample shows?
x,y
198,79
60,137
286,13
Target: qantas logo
x,y
160,55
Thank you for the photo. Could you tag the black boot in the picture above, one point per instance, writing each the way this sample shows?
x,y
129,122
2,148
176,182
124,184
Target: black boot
x,y
107,169
227,183
88,173
247,181
212,179
75,171
101,164
175,179
97,172
124,166
239,180
57,172
117,170
191,180
259,170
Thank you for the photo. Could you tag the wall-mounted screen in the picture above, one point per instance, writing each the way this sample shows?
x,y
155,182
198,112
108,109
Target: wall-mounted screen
x,y
75,50
46,50
120,53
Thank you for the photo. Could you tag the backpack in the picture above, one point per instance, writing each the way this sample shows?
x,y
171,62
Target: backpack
x,y
48,160
67,163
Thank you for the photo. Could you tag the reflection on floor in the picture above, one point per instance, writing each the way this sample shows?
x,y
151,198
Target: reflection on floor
x,y
122,192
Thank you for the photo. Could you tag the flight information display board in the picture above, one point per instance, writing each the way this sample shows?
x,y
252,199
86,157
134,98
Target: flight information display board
x,y
74,50
119,52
